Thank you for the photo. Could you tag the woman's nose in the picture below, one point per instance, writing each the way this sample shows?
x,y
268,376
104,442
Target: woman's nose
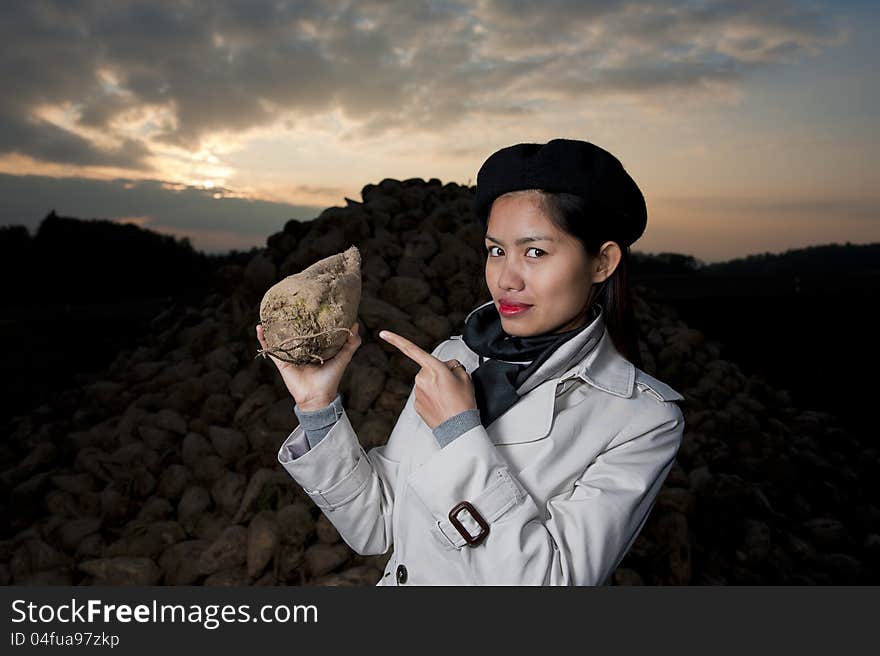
x,y
509,277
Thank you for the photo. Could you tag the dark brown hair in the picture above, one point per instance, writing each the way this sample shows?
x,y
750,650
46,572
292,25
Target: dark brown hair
x,y
574,215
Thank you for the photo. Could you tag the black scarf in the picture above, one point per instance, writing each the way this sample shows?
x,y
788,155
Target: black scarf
x,y
513,359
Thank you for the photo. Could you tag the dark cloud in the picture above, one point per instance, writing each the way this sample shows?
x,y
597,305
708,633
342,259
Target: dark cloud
x,y
45,141
389,66
194,211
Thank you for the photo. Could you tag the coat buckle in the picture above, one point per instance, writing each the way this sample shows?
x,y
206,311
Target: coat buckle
x,y
484,526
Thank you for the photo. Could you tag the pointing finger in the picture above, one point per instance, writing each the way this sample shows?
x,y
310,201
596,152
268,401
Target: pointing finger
x,y
410,350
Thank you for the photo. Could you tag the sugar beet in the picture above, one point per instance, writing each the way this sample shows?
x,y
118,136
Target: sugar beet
x,y
307,317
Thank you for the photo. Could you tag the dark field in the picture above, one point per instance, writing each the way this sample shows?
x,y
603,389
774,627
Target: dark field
x,y
820,342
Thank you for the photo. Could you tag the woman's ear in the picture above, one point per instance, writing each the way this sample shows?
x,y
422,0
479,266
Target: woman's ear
x,y
606,261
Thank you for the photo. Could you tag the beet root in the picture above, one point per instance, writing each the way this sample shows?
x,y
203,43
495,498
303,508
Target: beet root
x,y
307,317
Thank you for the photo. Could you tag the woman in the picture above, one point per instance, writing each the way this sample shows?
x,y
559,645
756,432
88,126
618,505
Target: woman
x,y
530,450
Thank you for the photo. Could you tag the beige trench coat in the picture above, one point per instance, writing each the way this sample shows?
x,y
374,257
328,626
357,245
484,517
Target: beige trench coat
x,y
564,480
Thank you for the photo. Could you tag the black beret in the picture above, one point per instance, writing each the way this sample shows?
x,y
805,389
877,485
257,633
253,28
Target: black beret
x,y
567,165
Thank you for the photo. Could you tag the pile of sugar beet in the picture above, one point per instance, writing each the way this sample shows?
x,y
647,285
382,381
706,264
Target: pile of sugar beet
x,y
163,469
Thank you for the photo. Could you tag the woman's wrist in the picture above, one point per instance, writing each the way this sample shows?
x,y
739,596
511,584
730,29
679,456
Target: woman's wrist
x,y
455,426
315,403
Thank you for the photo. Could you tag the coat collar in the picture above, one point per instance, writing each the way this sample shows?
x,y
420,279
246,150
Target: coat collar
x,y
531,418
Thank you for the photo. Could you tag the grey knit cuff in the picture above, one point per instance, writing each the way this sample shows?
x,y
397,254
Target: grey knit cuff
x,y
317,423
455,426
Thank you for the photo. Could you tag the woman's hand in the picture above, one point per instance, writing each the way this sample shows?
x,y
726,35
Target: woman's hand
x,y
314,386
442,389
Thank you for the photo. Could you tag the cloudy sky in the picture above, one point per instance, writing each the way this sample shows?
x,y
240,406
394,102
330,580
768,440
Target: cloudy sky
x,y
750,126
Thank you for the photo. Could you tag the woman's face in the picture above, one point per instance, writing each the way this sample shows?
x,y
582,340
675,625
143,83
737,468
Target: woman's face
x,y
531,261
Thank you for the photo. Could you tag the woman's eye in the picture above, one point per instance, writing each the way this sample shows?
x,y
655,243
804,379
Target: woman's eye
x,y
533,248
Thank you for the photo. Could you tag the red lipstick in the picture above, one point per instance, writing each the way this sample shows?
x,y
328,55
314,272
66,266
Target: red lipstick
x,y
508,307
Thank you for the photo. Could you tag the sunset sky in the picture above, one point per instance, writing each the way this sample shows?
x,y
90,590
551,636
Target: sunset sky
x,y
749,126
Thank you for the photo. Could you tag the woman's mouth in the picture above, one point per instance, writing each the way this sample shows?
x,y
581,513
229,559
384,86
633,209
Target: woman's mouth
x,y
511,310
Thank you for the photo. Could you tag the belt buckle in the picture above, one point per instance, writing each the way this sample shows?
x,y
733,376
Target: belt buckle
x,y
484,526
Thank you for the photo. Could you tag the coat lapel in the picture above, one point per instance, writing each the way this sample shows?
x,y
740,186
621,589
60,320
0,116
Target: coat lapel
x,y
527,420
